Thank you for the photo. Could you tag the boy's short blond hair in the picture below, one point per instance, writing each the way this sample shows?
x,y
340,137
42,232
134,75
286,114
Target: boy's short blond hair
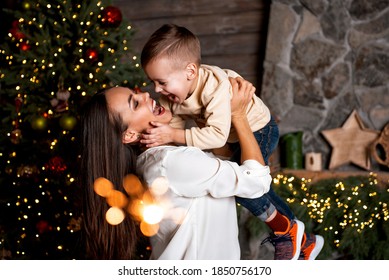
x,y
177,43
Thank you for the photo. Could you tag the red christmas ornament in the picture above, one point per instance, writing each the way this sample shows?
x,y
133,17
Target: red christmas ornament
x,y
18,103
15,32
43,226
24,46
92,55
15,24
111,17
56,165
137,89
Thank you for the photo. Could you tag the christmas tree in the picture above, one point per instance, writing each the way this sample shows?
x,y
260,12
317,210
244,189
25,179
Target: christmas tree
x,y
56,55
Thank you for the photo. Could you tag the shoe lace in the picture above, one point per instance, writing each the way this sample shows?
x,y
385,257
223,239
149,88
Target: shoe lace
x,y
273,239
302,254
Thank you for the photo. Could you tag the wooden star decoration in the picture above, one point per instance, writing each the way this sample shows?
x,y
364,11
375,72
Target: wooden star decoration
x,y
350,143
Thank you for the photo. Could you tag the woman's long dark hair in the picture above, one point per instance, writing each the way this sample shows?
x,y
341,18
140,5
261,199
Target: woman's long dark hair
x,y
104,155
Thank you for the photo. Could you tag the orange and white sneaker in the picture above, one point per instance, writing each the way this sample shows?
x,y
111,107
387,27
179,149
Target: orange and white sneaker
x,y
311,246
287,244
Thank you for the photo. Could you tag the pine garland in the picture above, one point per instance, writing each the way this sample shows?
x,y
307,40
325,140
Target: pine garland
x,y
351,214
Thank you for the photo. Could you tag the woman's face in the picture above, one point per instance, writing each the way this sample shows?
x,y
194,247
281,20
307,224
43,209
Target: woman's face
x,y
136,110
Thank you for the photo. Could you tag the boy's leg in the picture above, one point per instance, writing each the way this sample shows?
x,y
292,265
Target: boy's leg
x,y
279,203
270,208
267,139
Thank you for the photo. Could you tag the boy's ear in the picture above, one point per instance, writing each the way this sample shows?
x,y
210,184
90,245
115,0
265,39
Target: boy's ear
x,y
191,70
130,137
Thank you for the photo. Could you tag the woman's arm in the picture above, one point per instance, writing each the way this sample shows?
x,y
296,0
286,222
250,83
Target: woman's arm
x,y
192,173
243,92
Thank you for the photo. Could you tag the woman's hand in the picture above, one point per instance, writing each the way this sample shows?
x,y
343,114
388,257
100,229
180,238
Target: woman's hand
x,y
243,92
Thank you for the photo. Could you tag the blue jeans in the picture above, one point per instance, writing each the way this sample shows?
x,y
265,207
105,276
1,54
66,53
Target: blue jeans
x,y
267,139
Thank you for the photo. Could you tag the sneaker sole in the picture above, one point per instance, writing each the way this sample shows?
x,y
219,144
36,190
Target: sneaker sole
x,y
318,246
300,234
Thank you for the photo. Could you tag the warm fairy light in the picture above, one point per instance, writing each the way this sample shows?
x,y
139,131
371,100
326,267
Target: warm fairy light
x,y
135,208
141,204
152,214
116,199
103,186
133,186
148,229
345,198
159,186
115,216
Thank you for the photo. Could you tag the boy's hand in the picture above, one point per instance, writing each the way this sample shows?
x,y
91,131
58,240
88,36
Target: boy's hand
x,y
159,135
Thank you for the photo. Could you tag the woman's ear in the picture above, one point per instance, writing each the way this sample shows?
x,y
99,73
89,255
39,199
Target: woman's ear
x,y
130,137
191,71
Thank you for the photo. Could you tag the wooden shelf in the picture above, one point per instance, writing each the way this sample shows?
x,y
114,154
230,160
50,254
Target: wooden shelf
x,y
382,177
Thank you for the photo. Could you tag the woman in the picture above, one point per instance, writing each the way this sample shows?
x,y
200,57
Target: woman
x,y
200,186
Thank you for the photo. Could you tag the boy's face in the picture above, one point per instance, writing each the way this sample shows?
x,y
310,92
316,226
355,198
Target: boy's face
x,y
173,82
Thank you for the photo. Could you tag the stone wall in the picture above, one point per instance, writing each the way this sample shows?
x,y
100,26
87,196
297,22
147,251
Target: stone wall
x,y
325,58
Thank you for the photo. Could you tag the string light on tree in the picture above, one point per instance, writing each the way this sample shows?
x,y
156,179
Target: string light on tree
x,y
58,53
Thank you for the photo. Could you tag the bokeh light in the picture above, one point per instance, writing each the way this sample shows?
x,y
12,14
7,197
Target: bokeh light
x,y
115,216
117,199
152,214
159,186
133,185
148,230
140,203
103,186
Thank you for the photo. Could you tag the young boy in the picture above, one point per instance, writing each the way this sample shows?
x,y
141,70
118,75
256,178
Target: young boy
x,y
171,59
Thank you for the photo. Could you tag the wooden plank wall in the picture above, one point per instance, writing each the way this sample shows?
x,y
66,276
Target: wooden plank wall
x,y
232,32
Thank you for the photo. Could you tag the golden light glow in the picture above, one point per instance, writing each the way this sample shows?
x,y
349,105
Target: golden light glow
x,y
135,209
114,216
133,186
159,186
116,199
152,214
149,229
348,199
103,186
